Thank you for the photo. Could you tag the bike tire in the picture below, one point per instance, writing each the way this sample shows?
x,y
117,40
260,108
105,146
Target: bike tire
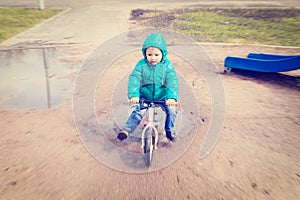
x,y
148,146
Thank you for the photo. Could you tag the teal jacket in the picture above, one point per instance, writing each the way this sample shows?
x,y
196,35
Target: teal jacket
x,y
158,82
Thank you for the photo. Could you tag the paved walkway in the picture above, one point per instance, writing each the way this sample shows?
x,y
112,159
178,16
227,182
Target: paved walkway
x,y
94,21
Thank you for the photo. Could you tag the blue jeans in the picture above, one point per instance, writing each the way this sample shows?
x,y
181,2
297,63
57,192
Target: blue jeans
x,y
137,115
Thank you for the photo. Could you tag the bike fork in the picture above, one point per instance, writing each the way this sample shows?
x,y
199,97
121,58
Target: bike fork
x,y
149,126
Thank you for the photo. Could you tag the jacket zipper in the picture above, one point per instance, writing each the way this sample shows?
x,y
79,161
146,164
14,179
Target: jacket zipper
x,y
153,78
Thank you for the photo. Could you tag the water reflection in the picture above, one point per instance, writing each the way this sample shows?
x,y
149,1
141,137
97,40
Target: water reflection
x,y
34,78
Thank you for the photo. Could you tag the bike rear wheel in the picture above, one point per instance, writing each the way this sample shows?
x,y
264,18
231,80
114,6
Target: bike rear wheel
x,y
149,146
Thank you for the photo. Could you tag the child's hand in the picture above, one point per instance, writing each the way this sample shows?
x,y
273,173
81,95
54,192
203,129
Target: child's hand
x,y
171,102
134,100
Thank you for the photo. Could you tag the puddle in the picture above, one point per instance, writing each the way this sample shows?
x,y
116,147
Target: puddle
x,y
34,78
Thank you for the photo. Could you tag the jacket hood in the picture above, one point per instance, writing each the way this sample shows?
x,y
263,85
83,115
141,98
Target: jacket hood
x,y
156,40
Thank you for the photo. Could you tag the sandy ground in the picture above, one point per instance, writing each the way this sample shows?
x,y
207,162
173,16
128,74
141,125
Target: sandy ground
x,y
256,157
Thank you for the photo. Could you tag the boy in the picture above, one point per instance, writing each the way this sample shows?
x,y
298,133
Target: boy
x,y
153,78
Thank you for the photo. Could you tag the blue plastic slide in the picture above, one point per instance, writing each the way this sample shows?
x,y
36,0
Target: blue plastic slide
x,y
264,62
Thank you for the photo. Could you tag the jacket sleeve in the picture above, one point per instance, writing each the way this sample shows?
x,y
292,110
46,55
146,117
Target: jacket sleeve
x,y
134,82
171,82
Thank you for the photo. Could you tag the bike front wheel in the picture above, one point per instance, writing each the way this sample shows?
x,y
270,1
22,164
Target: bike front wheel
x,y
149,139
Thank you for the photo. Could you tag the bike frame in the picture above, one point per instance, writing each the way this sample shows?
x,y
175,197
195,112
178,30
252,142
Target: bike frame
x,y
149,142
151,125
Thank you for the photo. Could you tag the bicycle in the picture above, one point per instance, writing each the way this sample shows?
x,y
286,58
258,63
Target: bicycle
x,y
150,133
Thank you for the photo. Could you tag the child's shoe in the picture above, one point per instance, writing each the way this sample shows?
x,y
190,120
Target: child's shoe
x,y
122,135
171,136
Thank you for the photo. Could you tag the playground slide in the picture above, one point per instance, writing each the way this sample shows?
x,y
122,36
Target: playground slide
x,y
264,56
264,62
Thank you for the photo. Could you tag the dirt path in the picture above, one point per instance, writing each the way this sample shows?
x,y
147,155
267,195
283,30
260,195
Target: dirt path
x,y
257,156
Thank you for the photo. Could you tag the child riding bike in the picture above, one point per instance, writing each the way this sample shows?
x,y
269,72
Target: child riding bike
x,y
153,78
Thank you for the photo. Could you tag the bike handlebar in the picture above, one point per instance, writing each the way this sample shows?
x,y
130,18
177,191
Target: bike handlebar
x,y
148,102
152,101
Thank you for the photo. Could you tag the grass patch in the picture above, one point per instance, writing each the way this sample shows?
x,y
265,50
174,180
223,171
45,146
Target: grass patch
x,y
16,20
249,26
